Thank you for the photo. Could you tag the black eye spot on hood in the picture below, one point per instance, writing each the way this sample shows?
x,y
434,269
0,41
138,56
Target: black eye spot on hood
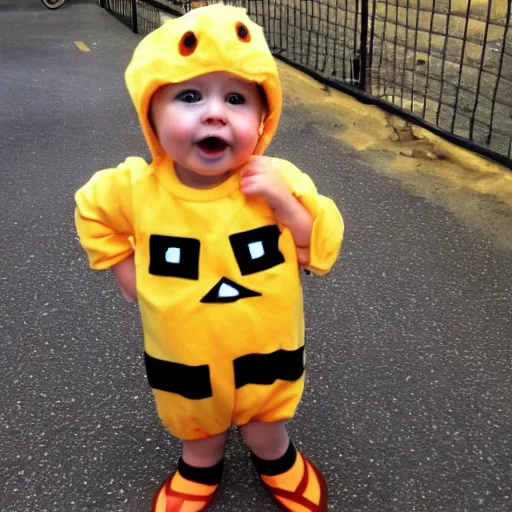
x,y
188,44
242,32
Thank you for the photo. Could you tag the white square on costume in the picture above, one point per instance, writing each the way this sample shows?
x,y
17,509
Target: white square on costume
x,y
256,249
173,255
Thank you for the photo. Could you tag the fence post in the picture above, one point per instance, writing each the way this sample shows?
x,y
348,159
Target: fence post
x,y
135,27
363,45
102,3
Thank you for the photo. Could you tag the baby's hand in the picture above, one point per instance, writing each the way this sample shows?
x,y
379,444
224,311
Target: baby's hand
x,y
124,273
259,178
303,256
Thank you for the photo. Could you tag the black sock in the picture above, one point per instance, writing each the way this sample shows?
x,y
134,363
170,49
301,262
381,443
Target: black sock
x,y
206,476
277,466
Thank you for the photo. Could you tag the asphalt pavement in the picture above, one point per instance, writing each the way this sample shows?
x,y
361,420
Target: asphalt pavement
x,y
409,392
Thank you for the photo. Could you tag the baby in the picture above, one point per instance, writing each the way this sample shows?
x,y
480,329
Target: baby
x,y
209,239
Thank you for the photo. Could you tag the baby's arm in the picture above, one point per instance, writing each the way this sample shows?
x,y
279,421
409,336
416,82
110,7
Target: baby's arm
x,y
314,220
124,273
259,178
291,213
104,223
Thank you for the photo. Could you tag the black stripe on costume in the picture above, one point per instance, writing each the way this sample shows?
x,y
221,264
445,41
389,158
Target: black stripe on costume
x,y
267,368
191,382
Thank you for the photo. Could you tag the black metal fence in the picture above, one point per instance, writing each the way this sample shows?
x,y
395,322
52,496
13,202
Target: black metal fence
x,y
442,64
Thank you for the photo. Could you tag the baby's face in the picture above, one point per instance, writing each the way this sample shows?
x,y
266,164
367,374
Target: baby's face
x,y
209,125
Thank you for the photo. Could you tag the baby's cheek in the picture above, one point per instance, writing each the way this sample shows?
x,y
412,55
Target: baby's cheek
x,y
178,133
248,133
181,132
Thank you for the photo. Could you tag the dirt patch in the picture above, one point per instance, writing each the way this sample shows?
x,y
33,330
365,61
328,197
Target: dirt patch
x,y
477,190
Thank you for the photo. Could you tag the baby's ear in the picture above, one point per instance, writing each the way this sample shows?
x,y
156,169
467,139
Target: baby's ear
x,y
262,125
264,113
263,97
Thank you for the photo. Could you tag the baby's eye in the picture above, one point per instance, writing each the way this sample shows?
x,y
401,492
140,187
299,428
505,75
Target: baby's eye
x,y
189,96
235,98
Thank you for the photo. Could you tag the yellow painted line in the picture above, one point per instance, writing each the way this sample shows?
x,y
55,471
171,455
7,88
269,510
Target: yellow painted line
x,y
82,46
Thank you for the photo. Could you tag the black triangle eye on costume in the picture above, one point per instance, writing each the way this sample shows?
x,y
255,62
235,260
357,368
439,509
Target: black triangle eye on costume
x,y
228,291
257,250
174,256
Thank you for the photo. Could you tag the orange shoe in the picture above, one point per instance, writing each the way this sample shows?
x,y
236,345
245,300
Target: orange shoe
x,y
300,489
180,495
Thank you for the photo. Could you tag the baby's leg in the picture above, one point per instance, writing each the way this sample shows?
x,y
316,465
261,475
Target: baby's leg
x,y
294,483
266,440
203,453
193,485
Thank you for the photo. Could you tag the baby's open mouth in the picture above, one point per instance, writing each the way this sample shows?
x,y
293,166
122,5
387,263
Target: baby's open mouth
x,y
212,145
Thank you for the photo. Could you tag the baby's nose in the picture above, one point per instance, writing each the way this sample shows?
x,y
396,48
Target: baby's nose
x,y
215,112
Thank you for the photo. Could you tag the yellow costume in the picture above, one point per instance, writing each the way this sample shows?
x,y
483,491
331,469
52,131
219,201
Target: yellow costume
x,y
218,281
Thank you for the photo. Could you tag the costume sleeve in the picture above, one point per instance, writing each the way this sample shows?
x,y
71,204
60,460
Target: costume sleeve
x,y
103,217
328,226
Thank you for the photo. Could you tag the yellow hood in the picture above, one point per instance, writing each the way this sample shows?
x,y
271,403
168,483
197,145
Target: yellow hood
x,y
220,45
